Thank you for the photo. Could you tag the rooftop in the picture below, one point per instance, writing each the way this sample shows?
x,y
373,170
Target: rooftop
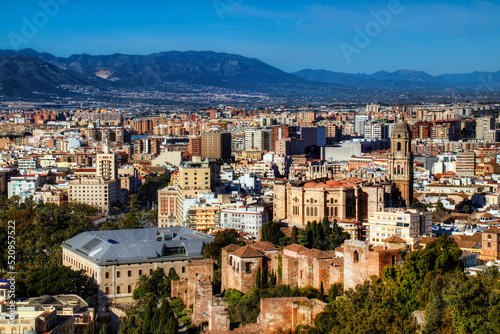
x,y
138,245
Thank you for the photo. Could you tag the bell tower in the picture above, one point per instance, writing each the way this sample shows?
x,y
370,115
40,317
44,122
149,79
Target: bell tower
x,y
401,161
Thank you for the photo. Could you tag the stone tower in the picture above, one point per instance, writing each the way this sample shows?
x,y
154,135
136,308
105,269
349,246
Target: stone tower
x,y
401,161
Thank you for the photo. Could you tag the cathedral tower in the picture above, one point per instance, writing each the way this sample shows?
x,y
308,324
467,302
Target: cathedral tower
x,y
401,161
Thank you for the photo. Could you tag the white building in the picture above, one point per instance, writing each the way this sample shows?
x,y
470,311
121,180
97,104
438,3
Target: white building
x,y
24,186
246,219
408,224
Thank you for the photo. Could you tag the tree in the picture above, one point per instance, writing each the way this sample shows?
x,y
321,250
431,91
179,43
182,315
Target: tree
x,y
271,232
467,208
294,235
258,279
440,206
222,239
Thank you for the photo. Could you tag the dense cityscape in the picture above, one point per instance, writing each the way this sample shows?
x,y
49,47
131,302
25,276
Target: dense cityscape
x,y
249,167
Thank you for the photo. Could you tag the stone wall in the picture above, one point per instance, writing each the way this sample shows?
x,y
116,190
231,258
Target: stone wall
x,y
282,314
179,289
362,261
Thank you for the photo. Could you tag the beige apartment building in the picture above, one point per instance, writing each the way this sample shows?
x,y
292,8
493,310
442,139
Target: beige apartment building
x,y
97,192
216,144
117,258
408,224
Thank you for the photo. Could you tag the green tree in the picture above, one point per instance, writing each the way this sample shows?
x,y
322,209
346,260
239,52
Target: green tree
x,y
222,239
440,206
294,235
271,232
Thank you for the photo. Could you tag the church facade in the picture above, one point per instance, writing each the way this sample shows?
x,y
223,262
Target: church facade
x,y
352,198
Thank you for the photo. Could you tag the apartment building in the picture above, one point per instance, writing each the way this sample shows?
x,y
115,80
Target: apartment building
x,y
97,192
167,206
408,224
245,219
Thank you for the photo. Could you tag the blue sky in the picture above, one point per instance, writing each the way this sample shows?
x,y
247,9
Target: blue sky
x,y
436,37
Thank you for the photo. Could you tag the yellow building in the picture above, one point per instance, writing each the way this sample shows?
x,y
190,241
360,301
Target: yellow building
x,y
204,218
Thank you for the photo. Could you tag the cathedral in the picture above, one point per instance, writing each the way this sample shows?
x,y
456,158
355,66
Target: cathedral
x,y
354,198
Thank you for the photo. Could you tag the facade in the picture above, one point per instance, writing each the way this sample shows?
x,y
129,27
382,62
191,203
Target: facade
x,y
405,223
245,219
483,125
97,192
50,194
466,164
167,207
25,185
490,245
302,202
216,144
258,140
116,259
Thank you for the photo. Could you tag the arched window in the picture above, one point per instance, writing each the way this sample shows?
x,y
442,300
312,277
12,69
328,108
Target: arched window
x,y
336,212
316,211
489,236
399,147
307,211
355,257
489,244
399,170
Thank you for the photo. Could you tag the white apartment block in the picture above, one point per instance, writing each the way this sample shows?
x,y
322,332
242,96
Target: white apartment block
x,y
245,219
408,224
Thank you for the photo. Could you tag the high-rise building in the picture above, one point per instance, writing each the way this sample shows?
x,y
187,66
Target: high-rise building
x,y
466,164
258,140
106,166
375,130
401,161
483,125
216,144
359,124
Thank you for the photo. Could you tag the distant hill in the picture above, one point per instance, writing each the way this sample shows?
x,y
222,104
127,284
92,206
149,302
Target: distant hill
x,y
404,79
27,72
22,76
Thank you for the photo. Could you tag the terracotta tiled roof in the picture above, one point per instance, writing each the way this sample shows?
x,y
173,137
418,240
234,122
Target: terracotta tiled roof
x,y
466,244
231,248
296,248
317,254
492,230
265,246
426,240
247,252
395,239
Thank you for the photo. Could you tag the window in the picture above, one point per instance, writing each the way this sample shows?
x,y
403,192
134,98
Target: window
x,y
117,290
489,244
183,270
129,289
150,271
248,267
117,274
140,272
107,290
489,236
129,273
355,257
107,275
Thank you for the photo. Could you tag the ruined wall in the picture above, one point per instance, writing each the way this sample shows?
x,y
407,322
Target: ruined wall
x,y
195,270
179,288
202,296
219,319
286,313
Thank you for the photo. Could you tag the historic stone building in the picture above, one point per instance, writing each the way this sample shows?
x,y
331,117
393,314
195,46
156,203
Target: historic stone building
x,y
297,203
294,265
490,244
401,161
362,260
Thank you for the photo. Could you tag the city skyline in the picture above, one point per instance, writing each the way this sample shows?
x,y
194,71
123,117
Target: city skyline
x,y
362,36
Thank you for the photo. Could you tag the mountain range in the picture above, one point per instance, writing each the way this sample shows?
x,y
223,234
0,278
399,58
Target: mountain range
x,y
28,72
